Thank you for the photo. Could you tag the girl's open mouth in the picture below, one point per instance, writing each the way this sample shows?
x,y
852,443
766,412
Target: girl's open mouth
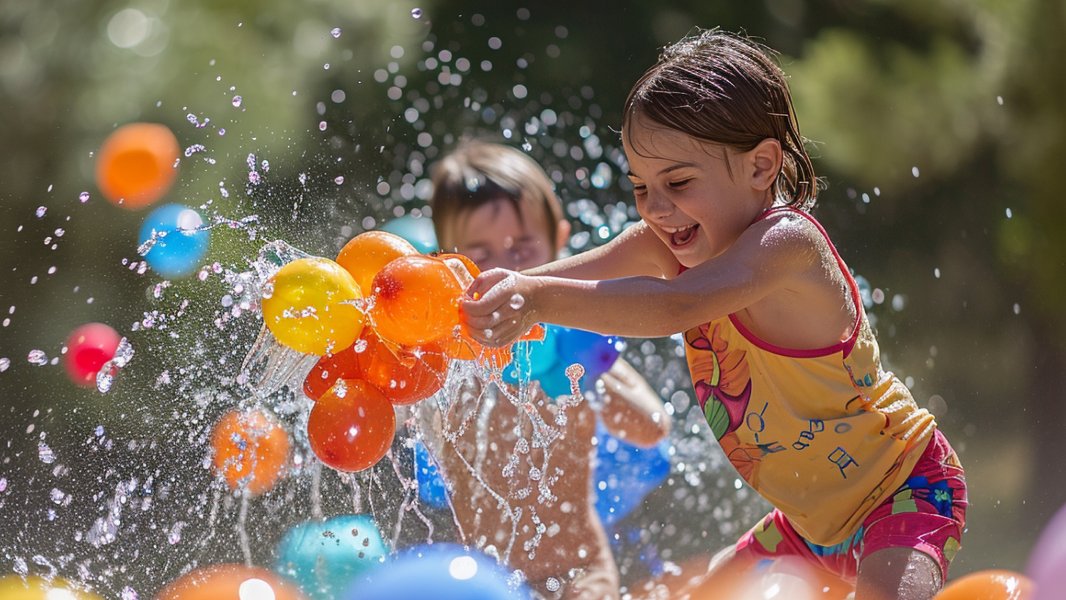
x,y
684,236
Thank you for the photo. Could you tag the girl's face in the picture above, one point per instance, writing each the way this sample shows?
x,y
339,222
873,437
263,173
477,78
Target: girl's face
x,y
686,193
494,235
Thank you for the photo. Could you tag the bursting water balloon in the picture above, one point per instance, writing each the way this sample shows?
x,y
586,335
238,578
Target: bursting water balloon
x,y
137,164
175,240
309,305
415,301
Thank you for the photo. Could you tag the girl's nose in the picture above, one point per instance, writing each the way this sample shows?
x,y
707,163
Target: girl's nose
x,y
657,206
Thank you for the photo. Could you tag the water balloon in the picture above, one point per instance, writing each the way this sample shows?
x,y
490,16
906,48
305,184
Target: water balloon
x,y
174,239
440,571
431,487
230,582
310,306
625,474
415,301
88,348
365,254
416,230
137,164
351,426
326,558
250,449
993,584
14,587
1047,562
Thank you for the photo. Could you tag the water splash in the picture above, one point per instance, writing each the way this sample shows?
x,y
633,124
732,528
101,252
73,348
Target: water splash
x,y
105,378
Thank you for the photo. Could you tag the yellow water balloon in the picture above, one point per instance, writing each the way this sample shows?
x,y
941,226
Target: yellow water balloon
x,y
14,587
310,306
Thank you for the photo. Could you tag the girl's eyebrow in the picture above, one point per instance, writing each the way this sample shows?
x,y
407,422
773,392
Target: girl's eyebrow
x,y
669,169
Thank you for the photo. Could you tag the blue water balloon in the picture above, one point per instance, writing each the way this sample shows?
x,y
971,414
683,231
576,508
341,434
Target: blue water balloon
x,y
546,361
626,473
417,230
431,488
327,558
440,571
179,244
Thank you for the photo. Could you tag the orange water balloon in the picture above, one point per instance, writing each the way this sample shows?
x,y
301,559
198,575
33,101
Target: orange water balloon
x,y
310,306
351,426
230,582
403,375
415,300
367,253
137,164
250,448
993,584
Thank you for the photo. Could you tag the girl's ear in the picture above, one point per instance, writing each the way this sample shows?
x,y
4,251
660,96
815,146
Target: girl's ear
x,y
562,235
765,160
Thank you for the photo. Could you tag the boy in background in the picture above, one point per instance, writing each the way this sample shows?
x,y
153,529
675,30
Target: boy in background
x,y
495,205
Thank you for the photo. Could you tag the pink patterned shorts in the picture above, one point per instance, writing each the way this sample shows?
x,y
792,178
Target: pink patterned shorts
x,y
926,513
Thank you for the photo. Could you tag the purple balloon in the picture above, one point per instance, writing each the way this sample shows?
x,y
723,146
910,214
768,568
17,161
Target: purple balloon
x,y
1047,563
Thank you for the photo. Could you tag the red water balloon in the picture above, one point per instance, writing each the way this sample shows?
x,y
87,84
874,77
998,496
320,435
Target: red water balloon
x,y
137,164
415,300
351,426
88,348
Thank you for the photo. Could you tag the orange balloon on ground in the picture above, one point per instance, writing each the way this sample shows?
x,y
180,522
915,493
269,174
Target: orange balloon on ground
x,y
415,301
136,164
230,582
993,584
351,426
250,449
367,253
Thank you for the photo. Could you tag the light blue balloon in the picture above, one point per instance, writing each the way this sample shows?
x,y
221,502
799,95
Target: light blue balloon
x,y
327,558
546,361
441,571
179,244
417,230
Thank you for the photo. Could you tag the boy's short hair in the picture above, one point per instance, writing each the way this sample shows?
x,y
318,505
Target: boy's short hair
x,y
477,173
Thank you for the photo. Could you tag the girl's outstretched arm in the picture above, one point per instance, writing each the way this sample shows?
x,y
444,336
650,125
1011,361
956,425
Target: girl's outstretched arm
x,y
777,255
636,251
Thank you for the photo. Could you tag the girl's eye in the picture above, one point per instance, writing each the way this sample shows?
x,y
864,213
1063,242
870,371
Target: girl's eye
x,y
679,184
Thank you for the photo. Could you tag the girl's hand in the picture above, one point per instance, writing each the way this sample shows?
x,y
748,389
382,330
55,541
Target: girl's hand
x,y
497,307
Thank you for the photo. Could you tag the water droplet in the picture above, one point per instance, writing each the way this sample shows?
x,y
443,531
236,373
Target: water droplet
x,y
45,453
41,210
37,357
552,584
237,101
84,196
517,301
3,484
128,593
336,32
416,13
338,180
4,364
322,126
914,171
57,495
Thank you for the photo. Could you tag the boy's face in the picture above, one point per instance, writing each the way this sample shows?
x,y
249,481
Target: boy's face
x,y
494,236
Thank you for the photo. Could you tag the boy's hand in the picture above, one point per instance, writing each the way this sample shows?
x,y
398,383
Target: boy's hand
x,y
497,307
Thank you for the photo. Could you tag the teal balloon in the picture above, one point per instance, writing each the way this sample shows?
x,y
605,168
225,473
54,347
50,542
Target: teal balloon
x,y
179,244
328,558
417,230
546,361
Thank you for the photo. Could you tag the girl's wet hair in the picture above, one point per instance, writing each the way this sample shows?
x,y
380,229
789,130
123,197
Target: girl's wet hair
x,y
477,173
726,89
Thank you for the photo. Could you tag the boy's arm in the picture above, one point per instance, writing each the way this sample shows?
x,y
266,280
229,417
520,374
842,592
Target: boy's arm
x,y
632,411
636,251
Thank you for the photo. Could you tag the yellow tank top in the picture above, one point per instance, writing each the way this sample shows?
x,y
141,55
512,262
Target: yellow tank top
x,y
824,435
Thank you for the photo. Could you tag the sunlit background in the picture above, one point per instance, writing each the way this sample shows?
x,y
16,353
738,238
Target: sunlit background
x,y
939,127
